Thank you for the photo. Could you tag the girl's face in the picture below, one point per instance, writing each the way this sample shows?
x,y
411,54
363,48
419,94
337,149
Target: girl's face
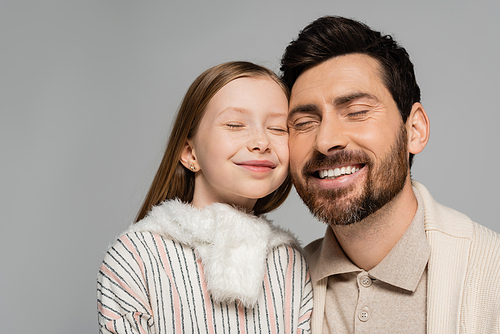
x,y
241,146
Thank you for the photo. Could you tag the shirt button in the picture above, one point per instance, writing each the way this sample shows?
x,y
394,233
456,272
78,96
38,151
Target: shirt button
x,y
364,315
365,281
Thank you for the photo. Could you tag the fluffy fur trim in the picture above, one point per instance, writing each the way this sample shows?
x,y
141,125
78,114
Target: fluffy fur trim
x,y
232,245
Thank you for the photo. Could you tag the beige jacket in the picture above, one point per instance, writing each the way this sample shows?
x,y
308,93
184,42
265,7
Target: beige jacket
x,y
463,293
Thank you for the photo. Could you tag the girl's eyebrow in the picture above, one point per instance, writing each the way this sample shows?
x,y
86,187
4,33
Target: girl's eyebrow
x,y
276,114
236,109
272,114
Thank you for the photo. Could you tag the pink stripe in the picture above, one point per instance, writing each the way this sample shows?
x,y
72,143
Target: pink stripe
x,y
288,292
115,278
306,316
206,298
270,308
168,270
241,315
106,312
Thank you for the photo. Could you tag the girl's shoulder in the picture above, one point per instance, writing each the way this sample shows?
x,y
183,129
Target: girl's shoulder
x,y
287,257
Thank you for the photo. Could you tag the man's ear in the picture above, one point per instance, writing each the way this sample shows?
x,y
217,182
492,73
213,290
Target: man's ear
x,y
188,156
418,128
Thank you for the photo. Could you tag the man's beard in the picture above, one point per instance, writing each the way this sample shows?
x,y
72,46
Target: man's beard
x,y
383,183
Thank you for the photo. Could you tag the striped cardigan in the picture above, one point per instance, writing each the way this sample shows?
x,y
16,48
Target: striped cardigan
x,y
216,270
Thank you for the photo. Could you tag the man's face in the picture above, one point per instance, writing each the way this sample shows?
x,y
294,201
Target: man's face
x,y
348,144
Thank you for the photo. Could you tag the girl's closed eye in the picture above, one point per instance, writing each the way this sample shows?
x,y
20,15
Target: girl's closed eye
x,y
234,125
279,129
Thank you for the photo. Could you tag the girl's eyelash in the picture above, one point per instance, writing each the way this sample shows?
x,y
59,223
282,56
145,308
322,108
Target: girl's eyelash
x,y
278,129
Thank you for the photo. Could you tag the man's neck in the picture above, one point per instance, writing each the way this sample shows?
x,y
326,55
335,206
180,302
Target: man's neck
x,y
366,243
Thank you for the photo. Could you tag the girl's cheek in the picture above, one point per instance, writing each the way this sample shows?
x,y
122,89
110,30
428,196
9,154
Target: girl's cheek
x,y
283,143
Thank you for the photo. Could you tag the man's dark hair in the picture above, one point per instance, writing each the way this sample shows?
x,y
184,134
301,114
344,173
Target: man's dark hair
x,y
332,36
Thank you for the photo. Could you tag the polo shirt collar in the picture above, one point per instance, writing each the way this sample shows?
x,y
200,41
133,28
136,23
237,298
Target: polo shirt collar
x,y
404,265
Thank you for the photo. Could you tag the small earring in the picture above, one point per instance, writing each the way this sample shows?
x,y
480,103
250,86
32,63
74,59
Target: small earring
x,y
193,168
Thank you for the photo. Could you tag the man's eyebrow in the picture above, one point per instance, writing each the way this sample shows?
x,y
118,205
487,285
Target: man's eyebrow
x,y
338,101
344,99
305,108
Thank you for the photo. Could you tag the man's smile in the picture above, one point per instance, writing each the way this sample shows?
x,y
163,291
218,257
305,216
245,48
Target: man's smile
x,y
340,176
333,173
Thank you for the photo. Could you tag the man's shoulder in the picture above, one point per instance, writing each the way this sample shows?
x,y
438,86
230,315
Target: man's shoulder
x,y
441,218
486,241
481,290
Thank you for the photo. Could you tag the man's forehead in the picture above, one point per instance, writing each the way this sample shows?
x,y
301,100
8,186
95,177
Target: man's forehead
x,y
339,76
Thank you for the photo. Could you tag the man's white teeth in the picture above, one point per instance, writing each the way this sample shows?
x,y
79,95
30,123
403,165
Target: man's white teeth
x,y
334,173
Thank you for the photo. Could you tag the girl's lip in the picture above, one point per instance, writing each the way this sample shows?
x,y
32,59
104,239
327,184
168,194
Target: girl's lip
x,y
257,163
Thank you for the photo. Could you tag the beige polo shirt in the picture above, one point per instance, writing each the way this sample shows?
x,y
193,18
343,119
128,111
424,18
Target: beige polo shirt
x,y
390,298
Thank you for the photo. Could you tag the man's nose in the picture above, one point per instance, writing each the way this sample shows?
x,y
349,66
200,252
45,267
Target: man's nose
x,y
331,135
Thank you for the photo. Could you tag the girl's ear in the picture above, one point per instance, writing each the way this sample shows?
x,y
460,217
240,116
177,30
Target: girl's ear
x,y
418,128
188,157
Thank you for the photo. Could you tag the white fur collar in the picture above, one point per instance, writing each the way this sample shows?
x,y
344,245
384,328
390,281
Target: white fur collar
x,y
231,244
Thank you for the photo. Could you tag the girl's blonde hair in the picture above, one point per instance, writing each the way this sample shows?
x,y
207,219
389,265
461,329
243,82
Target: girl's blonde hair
x,y
172,179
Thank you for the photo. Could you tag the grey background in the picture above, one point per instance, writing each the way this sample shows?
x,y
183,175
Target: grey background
x,y
88,90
